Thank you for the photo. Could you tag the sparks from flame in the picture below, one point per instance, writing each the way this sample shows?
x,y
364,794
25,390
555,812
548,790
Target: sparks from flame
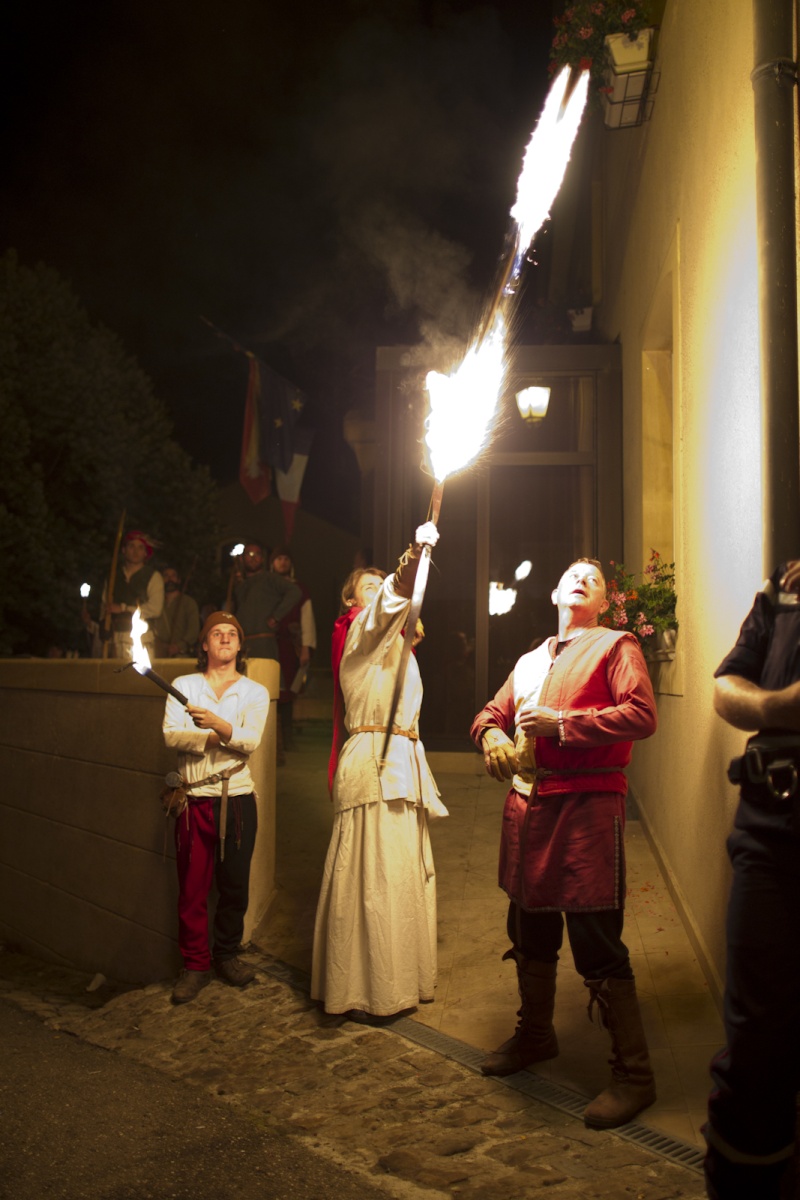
x,y
463,403
141,659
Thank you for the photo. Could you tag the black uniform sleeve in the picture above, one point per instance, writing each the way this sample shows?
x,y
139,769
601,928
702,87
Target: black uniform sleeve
x,y
748,656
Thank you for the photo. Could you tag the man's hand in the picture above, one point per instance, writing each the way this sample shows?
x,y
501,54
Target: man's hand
x,y
538,722
203,718
426,535
419,634
499,754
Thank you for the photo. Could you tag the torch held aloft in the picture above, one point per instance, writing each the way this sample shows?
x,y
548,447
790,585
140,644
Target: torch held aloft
x,y
418,595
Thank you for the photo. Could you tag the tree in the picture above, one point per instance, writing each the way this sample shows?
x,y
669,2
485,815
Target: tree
x,y
83,437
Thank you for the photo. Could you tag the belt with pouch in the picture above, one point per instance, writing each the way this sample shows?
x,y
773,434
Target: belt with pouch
x,y
771,762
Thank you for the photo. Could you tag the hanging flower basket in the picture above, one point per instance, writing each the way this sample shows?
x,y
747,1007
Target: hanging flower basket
x,y
645,608
609,39
627,78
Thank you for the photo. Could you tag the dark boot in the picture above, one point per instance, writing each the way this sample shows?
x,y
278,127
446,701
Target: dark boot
x,y
632,1086
189,985
534,1039
234,972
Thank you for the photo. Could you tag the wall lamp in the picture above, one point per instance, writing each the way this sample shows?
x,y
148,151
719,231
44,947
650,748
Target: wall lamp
x,y
532,403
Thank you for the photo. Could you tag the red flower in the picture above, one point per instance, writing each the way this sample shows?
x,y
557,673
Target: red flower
x,y
628,15
585,64
586,32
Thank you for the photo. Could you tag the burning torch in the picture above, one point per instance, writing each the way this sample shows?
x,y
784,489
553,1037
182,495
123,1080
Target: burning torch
x,y
236,554
463,404
141,659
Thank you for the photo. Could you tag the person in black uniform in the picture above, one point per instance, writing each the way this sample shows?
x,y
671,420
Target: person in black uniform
x,y
752,1114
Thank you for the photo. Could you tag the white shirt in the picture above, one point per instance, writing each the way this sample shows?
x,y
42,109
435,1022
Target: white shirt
x,y
244,705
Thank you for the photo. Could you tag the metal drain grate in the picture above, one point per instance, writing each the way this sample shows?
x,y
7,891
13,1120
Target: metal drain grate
x,y
676,1151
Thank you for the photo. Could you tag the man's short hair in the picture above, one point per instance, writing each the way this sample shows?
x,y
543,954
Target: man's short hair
x,y
594,562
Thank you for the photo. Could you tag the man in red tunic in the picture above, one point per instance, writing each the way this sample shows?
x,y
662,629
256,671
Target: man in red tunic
x,y
561,729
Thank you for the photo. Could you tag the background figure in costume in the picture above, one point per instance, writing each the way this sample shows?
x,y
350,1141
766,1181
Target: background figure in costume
x,y
572,706
297,640
177,627
375,932
137,585
261,601
752,1109
216,831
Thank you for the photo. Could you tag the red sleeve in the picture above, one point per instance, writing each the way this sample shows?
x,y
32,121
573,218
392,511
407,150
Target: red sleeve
x,y
341,628
498,713
633,715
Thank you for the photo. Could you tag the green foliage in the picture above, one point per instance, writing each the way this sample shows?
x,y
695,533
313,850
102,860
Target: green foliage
x,y
84,437
646,608
582,28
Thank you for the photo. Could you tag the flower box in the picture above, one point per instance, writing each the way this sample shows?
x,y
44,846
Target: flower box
x,y
629,54
627,79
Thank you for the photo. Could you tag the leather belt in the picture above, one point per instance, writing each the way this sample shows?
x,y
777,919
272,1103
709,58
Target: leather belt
x,y
409,733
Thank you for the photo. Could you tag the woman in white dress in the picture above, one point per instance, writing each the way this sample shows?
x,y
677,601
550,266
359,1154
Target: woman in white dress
x,y
375,931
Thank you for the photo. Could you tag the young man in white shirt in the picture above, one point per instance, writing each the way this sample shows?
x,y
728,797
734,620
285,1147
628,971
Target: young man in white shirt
x,y
215,734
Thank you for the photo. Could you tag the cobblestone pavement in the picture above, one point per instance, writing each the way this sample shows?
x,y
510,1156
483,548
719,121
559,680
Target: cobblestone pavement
x,y
412,1120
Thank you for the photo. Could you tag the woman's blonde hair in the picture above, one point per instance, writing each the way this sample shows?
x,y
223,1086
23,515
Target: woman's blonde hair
x,y
351,583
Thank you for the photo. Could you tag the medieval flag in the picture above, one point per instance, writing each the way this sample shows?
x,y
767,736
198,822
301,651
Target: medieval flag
x,y
281,403
290,482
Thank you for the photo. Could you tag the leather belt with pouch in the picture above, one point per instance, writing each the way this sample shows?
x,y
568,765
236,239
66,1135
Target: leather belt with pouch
x,y
770,762
174,797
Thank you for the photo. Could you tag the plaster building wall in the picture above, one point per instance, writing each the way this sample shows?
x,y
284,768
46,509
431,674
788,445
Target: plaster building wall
x,y
83,875
680,292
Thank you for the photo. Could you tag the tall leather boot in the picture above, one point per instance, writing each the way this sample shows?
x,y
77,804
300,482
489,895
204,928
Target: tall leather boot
x,y
632,1086
534,1039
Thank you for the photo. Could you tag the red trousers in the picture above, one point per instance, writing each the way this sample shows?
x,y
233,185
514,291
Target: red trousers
x,y
199,866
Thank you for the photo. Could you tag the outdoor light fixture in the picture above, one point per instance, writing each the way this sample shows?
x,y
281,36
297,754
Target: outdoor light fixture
x,y
501,599
532,403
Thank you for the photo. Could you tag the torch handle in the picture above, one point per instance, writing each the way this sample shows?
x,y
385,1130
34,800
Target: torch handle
x,y
418,595
167,687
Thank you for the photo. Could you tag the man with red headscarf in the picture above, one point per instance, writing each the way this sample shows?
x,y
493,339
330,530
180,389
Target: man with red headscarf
x,y
137,585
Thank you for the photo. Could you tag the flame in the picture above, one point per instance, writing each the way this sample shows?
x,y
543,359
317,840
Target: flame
x,y
547,155
141,659
85,590
463,404
237,550
501,599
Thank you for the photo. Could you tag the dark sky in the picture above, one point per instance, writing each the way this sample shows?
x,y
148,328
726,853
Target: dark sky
x,y
316,180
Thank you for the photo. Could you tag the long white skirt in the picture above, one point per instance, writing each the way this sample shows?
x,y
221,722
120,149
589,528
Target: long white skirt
x,y
375,932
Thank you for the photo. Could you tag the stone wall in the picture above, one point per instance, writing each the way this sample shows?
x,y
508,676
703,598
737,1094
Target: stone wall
x,y
85,877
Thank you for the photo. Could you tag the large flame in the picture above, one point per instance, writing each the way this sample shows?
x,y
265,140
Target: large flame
x,y
141,659
463,404
547,155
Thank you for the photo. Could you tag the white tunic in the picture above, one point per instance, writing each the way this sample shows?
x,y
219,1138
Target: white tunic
x,y
375,932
